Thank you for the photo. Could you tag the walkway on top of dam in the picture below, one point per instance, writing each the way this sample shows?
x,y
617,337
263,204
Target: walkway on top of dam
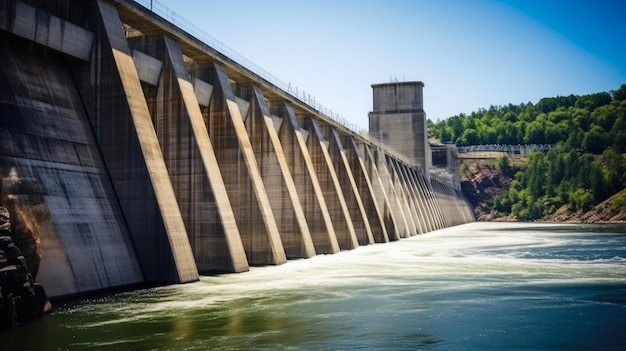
x,y
195,43
159,9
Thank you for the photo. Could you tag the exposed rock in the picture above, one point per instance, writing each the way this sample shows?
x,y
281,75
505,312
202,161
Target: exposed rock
x,y
21,298
480,183
25,236
23,199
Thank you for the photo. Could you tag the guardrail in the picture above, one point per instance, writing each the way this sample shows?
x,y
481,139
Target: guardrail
x,y
166,13
520,148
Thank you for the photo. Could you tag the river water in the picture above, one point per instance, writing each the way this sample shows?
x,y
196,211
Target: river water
x,y
480,286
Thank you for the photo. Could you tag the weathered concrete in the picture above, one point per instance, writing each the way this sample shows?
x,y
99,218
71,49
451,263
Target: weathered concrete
x,y
244,183
42,28
193,167
46,140
434,206
390,217
348,186
150,156
294,141
373,211
454,203
403,229
399,121
121,120
329,182
400,183
421,202
263,130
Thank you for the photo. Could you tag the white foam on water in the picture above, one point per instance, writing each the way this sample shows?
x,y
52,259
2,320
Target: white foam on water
x,y
440,276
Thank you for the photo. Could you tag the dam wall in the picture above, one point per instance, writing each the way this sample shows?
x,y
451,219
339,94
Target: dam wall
x,y
140,154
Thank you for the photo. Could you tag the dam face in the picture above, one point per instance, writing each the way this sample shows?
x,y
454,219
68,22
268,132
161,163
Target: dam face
x,y
140,154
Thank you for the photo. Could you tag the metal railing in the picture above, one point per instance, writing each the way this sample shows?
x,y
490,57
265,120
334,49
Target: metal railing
x,y
299,94
169,15
519,148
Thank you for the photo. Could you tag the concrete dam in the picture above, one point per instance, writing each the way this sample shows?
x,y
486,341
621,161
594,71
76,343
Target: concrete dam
x,y
136,153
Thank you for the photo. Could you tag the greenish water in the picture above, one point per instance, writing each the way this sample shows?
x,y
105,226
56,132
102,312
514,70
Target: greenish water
x,y
481,286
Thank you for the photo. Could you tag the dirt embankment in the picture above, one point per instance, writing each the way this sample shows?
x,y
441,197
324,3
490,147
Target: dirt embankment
x,y
611,210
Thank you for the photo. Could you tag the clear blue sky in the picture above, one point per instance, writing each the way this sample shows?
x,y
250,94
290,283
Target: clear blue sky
x,y
469,54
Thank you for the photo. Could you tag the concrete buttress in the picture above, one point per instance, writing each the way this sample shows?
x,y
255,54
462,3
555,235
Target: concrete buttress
x,y
194,169
424,215
415,223
349,187
373,210
294,142
392,194
380,194
248,197
329,182
433,203
119,114
263,130
403,199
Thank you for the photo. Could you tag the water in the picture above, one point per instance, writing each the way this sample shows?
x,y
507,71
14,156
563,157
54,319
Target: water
x,y
481,286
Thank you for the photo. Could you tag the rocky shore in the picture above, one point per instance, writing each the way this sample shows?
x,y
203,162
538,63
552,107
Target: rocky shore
x,y
21,299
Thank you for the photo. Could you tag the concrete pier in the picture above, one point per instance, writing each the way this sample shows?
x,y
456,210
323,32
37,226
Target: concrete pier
x,y
373,211
290,218
294,141
143,155
331,188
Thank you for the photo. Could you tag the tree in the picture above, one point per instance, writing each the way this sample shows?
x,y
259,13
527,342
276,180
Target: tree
x,y
598,189
575,139
537,171
580,199
534,133
592,101
604,116
618,133
582,117
620,93
456,127
613,170
593,142
561,114
444,135
469,137
583,127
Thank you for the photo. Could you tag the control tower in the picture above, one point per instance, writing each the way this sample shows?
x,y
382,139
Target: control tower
x,y
398,120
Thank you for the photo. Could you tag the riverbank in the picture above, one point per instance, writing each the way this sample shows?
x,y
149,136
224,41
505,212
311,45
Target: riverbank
x,y
482,180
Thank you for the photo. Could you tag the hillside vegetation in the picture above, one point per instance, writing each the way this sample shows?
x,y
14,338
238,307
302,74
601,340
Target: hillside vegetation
x,y
587,167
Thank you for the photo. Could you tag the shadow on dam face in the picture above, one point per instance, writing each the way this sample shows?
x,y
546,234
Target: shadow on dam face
x,y
51,166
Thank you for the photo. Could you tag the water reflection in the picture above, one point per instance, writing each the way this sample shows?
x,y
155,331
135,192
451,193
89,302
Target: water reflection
x,y
476,287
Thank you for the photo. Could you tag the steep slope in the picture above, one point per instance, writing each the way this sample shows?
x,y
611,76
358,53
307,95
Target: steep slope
x,y
611,210
481,181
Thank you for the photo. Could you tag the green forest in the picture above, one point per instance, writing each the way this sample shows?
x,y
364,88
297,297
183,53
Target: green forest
x,y
587,167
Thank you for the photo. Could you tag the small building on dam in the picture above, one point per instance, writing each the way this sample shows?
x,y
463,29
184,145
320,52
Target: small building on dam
x,y
133,152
